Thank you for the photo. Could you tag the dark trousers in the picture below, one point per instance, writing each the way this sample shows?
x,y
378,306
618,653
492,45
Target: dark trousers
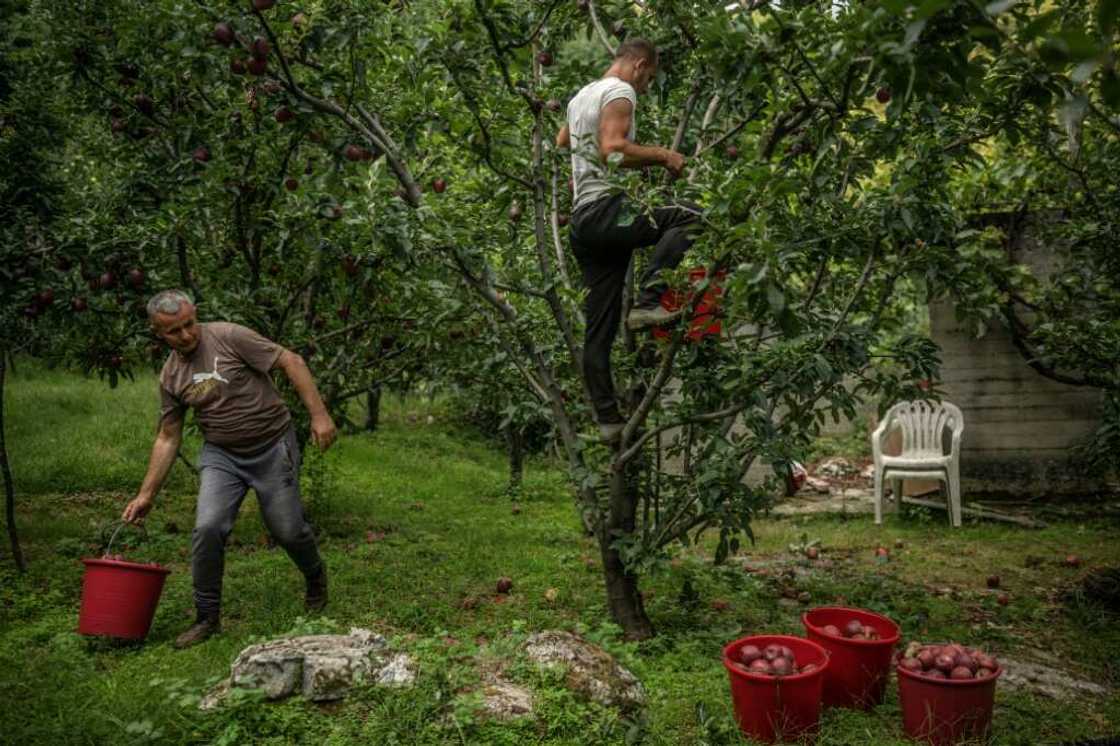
x,y
225,478
604,236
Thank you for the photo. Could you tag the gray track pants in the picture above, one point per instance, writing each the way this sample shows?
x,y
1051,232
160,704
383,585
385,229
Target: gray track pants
x,y
274,476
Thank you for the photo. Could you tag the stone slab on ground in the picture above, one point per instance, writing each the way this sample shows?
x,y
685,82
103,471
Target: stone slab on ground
x,y
1047,681
851,500
320,668
503,700
590,670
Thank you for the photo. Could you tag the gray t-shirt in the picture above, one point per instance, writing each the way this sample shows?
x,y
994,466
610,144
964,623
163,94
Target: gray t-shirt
x,y
583,127
225,379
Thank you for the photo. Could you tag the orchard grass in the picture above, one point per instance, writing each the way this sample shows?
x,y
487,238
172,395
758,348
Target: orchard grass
x,y
414,519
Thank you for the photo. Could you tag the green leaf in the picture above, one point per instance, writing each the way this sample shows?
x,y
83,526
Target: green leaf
x,y
775,298
930,8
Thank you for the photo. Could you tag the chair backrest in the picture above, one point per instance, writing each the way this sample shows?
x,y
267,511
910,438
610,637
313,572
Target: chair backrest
x,y
923,424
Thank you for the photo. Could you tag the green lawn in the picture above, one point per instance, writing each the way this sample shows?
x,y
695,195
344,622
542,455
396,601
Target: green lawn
x,y
438,495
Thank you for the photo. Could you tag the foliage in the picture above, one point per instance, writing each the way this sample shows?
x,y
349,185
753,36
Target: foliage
x,y
384,196
58,688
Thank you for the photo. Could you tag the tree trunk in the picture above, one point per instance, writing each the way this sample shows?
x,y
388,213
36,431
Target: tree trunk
x,y
516,442
373,408
624,599
9,486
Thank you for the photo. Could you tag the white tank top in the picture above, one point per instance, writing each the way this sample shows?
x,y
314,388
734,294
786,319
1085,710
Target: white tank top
x,y
583,127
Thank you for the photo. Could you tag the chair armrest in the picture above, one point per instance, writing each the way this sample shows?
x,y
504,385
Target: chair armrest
x,y
877,438
955,449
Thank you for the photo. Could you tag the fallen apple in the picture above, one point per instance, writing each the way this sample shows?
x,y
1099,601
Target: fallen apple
x,y
504,585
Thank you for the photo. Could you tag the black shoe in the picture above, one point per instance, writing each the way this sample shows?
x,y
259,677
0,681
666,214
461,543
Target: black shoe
x,y
200,631
316,598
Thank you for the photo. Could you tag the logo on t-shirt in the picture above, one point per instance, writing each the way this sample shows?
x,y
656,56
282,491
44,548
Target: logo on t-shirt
x,y
203,383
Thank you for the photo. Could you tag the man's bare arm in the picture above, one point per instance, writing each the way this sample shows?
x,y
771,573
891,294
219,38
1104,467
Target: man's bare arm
x,y
323,430
564,138
164,450
614,127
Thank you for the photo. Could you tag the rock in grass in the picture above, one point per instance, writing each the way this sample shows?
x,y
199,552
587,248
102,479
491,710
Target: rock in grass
x,y
503,701
319,668
590,671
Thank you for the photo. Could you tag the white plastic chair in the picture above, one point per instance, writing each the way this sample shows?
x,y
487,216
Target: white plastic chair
x,y
923,456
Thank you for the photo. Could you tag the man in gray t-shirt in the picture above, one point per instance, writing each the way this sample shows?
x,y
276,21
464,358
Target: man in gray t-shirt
x,y
607,227
222,372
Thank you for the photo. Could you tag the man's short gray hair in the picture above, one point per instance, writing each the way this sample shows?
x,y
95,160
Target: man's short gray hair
x,y
167,301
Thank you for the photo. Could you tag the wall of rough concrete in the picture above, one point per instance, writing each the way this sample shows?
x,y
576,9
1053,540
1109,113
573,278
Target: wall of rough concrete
x,y
1020,426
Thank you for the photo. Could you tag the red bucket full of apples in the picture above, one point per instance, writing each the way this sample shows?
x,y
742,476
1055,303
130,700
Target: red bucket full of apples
x,y
776,686
860,646
947,693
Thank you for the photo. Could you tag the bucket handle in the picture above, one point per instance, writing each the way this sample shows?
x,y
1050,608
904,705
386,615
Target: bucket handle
x,y
119,525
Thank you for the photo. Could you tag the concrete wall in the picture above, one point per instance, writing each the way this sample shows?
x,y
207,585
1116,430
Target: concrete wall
x,y
1019,425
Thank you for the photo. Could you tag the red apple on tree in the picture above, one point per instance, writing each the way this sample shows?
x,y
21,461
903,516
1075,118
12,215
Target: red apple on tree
x,y
883,95
515,212
284,114
106,280
136,278
260,48
439,185
223,34
731,151
257,66
544,58
201,154
260,5
291,184
236,66
143,103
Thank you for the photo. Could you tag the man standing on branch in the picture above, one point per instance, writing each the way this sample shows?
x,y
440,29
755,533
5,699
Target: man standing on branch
x,y
222,371
607,227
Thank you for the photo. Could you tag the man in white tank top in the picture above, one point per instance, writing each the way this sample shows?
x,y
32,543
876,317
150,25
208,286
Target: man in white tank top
x,y
606,228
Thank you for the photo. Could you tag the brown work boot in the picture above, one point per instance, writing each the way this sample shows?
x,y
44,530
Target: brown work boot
x,y
316,598
198,632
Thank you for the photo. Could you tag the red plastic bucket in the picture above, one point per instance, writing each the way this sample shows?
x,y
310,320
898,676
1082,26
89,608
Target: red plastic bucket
x,y
771,708
942,712
705,320
859,669
119,598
